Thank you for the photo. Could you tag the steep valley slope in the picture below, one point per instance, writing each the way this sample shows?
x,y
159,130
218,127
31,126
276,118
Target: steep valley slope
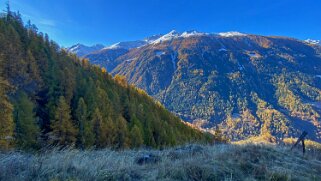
x,y
248,85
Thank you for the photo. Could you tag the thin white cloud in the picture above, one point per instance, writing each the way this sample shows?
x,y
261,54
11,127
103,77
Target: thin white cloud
x,y
39,21
47,22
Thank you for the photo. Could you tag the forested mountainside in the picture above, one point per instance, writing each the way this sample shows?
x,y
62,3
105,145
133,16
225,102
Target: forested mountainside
x,y
51,98
248,85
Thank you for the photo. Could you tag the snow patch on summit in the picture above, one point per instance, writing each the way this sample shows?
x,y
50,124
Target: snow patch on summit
x,y
74,48
313,42
231,34
156,39
82,50
126,45
169,36
174,34
187,34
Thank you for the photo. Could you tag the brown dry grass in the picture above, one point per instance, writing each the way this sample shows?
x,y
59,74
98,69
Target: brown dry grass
x,y
194,162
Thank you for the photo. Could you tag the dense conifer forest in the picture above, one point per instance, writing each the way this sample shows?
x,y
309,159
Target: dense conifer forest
x,y
49,97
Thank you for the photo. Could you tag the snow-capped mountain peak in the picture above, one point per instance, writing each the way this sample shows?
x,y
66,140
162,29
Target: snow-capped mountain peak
x,y
74,48
313,42
187,34
231,33
127,45
82,50
174,34
152,38
169,36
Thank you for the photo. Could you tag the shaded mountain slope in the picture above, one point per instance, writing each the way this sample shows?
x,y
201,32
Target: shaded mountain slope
x,y
106,57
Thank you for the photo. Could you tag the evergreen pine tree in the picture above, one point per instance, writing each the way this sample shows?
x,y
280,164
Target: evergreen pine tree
x,y
63,131
136,137
81,116
27,130
97,127
109,130
85,135
121,137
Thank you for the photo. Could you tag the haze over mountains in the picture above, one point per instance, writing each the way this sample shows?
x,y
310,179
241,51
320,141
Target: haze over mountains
x,y
248,85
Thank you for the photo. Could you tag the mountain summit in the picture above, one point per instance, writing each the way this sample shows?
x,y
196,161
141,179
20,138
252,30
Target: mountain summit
x,y
313,42
82,50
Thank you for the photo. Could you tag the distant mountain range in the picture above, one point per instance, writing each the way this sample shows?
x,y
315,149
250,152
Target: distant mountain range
x,y
82,50
248,85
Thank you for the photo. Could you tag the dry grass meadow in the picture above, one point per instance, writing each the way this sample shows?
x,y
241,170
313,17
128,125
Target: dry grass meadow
x,y
191,162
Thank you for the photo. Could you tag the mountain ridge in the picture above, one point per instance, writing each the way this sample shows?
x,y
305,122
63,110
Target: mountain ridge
x,y
82,50
154,39
237,73
78,48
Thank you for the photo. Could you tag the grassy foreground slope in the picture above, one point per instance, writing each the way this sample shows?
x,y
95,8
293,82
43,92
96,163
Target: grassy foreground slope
x,y
192,162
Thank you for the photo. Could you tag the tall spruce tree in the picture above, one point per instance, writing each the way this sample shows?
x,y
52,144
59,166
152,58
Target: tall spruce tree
x,y
63,130
97,121
85,136
136,138
122,134
27,131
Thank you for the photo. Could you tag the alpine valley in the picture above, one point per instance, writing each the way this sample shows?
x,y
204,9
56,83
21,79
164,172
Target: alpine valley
x,y
191,106
247,85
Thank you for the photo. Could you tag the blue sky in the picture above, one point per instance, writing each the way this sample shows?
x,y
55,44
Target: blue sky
x,y
109,21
